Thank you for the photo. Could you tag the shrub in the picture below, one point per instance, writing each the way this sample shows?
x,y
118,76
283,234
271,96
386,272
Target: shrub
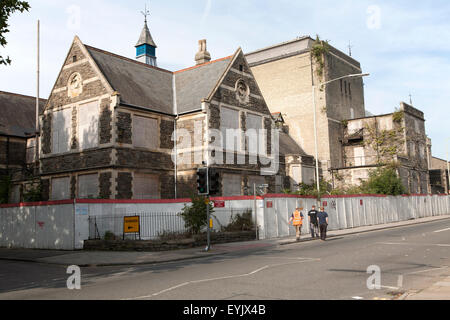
x,y
239,222
109,236
384,181
194,215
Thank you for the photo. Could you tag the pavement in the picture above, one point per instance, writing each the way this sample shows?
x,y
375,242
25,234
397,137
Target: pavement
x,y
116,258
438,291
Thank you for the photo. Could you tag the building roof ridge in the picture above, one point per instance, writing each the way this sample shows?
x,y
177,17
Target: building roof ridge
x,y
280,44
203,64
126,59
21,95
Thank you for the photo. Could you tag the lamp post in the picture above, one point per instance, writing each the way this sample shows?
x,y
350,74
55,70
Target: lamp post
x,y
315,118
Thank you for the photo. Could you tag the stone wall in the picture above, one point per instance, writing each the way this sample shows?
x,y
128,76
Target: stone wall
x,y
77,161
124,131
105,120
124,187
105,185
46,134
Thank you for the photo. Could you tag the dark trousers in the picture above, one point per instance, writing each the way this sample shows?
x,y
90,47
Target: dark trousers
x,y
323,231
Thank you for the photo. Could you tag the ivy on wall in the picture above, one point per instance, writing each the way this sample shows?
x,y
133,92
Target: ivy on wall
x,y
387,143
319,49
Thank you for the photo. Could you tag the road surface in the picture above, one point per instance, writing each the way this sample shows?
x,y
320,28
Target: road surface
x,y
410,258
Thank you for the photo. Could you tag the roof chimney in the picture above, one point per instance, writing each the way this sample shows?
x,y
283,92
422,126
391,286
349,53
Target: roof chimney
x,y
202,55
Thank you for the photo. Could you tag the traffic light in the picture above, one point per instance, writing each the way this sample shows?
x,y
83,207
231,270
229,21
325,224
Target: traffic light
x,y
214,183
202,181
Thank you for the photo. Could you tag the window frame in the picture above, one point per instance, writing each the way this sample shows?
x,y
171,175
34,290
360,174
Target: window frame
x,y
156,132
79,126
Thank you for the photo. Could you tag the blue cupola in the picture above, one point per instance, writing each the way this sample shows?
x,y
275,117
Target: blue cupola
x,y
146,47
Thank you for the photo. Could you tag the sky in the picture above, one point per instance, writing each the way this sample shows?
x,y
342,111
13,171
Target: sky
x,y
404,45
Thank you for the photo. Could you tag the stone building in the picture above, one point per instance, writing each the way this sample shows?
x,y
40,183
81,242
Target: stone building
x,y
17,132
286,74
398,138
110,123
439,175
290,78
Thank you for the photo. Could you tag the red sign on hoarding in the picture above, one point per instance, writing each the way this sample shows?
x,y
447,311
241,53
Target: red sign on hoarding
x,y
325,204
361,202
269,204
219,204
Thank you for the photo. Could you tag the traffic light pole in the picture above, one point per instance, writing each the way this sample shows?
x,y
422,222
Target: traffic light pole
x,y
208,235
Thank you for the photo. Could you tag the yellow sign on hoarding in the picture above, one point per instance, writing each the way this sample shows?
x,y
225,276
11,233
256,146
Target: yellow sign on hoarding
x,y
131,224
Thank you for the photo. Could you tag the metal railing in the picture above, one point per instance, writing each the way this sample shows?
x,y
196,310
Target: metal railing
x,y
152,226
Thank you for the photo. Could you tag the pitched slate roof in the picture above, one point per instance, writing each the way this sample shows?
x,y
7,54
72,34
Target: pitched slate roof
x,y
138,83
288,146
18,114
196,83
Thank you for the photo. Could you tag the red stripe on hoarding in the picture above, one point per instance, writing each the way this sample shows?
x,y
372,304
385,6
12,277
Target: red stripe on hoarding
x,y
36,204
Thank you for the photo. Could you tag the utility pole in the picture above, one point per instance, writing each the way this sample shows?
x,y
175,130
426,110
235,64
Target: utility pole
x,y
36,141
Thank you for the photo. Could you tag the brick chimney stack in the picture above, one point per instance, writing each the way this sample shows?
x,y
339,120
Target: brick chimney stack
x,y
202,56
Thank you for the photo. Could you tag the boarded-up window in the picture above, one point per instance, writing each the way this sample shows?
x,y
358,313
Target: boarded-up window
x,y
253,127
88,186
412,149
232,185
296,177
279,184
360,159
354,126
229,119
146,186
88,125
308,175
15,194
422,151
31,151
61,131
60,188
385,124
258,180
145,132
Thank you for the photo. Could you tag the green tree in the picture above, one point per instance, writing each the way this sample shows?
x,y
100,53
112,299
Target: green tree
x,y
194,215
7,8
384,181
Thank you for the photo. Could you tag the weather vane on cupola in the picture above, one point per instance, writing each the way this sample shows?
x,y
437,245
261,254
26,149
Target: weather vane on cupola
x,y
145,13
146,47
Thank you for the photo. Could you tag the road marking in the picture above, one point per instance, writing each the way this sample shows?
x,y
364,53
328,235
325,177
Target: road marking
x,y
198,281
358,298
427,270
400,281
219,278
388,287
439,231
